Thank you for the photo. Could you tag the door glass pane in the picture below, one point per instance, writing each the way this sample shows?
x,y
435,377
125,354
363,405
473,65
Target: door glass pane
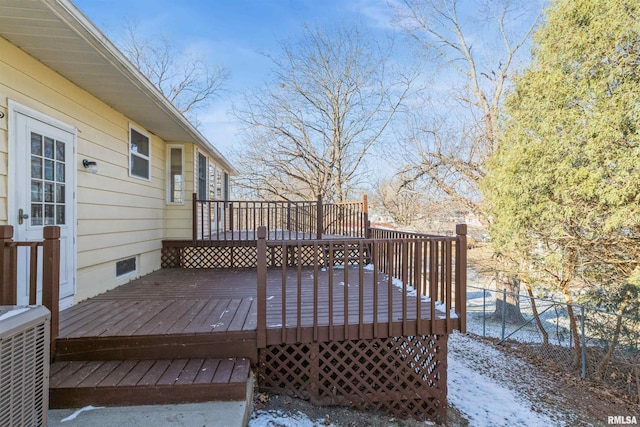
x,y
48,177
60,220
36,214
36,168
48,170
36,191
60,151
59,193
36,144
49,144
59,172
48,192
49,217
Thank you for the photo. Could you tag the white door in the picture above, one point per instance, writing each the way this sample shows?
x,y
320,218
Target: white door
x,y
44,187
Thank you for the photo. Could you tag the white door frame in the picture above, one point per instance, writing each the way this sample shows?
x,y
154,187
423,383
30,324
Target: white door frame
x,y
16,109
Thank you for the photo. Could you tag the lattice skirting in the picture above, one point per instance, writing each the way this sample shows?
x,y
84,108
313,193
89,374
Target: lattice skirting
x,y
209,257
403,376
246,256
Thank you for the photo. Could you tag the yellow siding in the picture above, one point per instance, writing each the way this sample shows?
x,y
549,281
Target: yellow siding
x,y
118,216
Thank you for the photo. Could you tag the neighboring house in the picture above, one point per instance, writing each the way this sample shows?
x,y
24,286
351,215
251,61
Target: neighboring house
x,y
70,103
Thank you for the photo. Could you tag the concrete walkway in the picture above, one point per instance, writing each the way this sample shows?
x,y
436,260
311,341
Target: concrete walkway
x,y
210,414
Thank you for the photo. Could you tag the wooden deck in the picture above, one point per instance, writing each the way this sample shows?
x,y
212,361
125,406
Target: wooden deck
x,y
182,313
307,314
171,313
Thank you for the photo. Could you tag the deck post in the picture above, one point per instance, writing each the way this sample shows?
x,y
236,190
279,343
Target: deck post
x,y
51,278
365,217
194,217
461,276
320,219
262,286
8,292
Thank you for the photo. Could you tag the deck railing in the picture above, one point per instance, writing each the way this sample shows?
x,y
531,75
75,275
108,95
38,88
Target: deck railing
x,y
233,221
361,288
49,263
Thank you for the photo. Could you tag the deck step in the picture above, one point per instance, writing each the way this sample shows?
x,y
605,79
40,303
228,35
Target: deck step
x,y
76,384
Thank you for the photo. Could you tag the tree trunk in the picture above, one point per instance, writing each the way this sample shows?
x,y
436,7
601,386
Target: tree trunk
x,y
509,306
577,354
612,348
536,316
637,372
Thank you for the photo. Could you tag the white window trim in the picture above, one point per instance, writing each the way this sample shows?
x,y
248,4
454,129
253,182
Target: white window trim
x,y
148,158
168,173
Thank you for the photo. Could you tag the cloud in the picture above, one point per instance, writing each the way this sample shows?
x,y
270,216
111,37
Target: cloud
x,y
376,13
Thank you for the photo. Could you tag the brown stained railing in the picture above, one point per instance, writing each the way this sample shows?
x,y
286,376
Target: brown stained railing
x,y
365,288
346,218
238,221
442,254
50,263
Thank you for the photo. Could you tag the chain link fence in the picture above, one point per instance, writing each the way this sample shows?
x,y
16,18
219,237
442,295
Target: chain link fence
x,y
596,344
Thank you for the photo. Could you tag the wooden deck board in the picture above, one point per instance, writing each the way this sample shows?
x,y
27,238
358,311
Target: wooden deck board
x,y
136,373
145,382
190,371
99,374
155,372
172,373
207,371
117,374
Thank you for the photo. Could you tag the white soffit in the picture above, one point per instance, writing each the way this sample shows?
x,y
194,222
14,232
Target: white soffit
x,y
56,33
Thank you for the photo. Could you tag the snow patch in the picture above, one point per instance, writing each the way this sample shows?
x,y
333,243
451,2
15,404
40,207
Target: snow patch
x,y
482,400
79,411
263,418
14,312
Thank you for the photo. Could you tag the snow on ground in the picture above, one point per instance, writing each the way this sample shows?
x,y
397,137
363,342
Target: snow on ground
x,y
479,388
481,399
262,418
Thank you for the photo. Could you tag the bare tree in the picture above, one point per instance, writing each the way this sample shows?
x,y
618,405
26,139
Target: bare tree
x,y
448,143
187,79
449,149
309,131
401,200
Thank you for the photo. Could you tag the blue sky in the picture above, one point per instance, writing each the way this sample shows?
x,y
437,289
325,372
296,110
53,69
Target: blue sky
x,y
232,33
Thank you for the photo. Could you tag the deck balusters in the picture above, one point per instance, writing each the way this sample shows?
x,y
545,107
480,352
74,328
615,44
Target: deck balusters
x,y
49,263
262,287
230,221
424,286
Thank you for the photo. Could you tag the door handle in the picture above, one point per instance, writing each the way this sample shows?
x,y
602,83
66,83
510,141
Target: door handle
x,y
22,216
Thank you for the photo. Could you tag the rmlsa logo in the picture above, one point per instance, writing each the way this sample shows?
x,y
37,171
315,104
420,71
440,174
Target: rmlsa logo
x,y
622,420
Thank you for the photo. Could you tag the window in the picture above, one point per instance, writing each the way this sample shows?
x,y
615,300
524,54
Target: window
x,y
139,155
48,181
175,179
226,186
125,266
202,177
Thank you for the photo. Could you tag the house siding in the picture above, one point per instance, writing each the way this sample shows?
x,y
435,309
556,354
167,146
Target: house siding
x,y
117,216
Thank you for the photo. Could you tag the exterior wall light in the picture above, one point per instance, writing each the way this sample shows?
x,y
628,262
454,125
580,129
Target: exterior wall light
x,y
90,165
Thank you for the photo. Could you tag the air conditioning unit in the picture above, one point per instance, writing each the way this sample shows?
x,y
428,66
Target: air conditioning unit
x,y
24,365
